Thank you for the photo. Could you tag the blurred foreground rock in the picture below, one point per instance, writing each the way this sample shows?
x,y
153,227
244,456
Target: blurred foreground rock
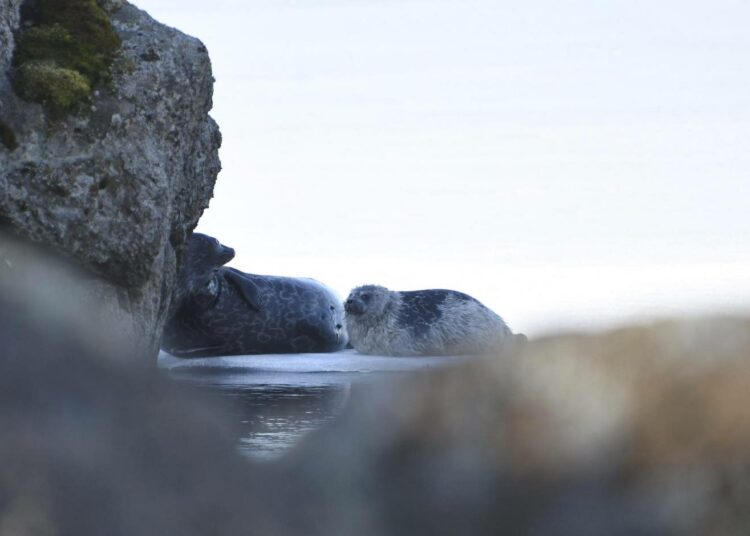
x,y
93,441
642,430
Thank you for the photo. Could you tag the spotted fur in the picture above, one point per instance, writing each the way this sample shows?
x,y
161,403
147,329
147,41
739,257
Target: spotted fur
x,y
224,311
423,322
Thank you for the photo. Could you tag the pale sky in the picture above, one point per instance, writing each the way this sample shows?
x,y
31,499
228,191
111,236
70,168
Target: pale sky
x,y
570,164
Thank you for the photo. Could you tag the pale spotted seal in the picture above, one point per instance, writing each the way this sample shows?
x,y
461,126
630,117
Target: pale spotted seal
x,y
422,322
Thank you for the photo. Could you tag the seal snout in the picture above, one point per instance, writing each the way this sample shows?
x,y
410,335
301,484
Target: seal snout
x,y
226,254
354,306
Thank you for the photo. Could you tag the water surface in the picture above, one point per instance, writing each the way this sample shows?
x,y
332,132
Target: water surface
x,y
276,399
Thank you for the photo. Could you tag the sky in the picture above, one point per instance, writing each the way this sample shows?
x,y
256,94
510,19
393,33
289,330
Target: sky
x,y
573,165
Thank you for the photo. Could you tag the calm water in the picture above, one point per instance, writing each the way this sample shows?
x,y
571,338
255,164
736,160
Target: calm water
x,y
277,399
273,417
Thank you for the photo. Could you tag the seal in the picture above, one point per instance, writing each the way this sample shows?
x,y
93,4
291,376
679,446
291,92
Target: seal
x,y
205,254
223,311
423,322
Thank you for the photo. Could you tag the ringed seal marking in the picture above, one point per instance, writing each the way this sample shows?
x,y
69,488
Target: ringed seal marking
x,y
224,311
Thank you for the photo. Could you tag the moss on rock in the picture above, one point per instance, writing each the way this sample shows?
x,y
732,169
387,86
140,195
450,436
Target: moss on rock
x,y
59,89
51,43
71,41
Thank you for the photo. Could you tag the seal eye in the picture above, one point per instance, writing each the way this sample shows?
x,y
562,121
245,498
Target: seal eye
x,y
365,297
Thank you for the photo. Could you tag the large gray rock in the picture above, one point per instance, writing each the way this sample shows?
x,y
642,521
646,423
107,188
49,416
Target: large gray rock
x,y
119,186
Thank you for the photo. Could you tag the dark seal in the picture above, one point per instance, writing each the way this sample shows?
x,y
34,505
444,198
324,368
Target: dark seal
x,y
223,311
423,322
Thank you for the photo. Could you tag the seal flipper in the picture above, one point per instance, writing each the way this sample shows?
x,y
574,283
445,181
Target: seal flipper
x,y
246,287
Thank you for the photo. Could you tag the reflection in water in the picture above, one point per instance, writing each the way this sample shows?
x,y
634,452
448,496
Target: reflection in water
x,y
276,399
273,417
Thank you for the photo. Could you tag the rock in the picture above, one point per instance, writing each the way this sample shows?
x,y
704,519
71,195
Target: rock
x,y
94,441
643,430
9,19
117,186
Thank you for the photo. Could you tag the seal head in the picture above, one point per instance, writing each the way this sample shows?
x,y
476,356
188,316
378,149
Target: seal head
x,y
368,302
204,256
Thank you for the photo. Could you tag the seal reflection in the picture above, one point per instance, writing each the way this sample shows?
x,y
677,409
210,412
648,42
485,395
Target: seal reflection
x,y
273,417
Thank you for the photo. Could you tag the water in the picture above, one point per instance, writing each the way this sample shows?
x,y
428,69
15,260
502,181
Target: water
x,y
277,399
274,416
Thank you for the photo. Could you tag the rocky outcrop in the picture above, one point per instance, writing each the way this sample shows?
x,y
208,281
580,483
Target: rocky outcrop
x,y
118,184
